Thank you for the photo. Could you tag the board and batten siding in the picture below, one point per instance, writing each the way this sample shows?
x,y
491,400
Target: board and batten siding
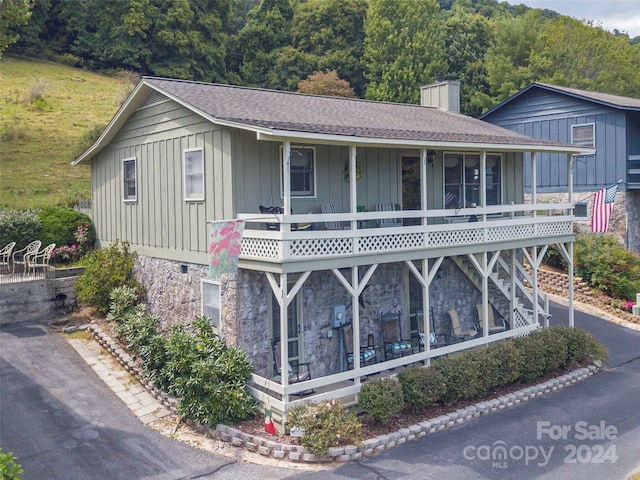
x,y
550,115
160,222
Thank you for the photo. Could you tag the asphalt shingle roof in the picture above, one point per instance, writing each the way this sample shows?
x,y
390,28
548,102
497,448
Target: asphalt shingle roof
x,y
613,100
315,114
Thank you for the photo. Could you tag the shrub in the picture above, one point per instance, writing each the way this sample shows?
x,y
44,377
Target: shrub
x,y
607,266
20,226
501,364
105,269
381,398
9,468
123,299
462,375
207,376
154,358
555,348
421,387
136,329
581,346
65,226
327,424
532,362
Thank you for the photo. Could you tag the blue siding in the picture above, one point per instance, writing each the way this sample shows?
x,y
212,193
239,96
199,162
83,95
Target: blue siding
x,y
540,113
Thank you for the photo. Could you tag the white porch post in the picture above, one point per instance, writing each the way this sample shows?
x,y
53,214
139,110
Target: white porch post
x,y
534,192
570,268
483,183
355,312
512,274
485,295
286,170
534,271
423,189
353,192
284,335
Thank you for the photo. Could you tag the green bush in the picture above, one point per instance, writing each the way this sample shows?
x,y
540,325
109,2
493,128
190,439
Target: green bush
x,y
105,269
604,264
421,387
501,364
154,359
381,398
122,300
327,424
581,346
555,348
207,376
20,226
136,329
60,226
532,362
9,468
462,375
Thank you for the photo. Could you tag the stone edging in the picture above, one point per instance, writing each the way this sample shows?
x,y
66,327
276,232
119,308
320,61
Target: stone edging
x,y
369,447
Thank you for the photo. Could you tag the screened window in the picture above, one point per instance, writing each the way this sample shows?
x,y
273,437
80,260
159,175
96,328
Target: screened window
x,y
210,301
462,180
583,135
130,186
193,175
302,171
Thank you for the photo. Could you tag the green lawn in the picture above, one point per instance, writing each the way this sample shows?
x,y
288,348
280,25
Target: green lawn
x,y
45,109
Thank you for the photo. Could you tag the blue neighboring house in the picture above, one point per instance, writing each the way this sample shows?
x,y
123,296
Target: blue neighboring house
x,y
608,123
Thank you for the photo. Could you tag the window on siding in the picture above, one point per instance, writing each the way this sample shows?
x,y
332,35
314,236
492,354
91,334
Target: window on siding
x,y
193,175
302,171
130,183
211,302
583,135
462,180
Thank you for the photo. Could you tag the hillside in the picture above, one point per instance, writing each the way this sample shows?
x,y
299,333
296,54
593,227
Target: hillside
x,y
45,110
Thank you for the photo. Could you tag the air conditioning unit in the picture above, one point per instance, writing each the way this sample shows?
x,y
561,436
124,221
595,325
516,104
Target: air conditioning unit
x,y
581,210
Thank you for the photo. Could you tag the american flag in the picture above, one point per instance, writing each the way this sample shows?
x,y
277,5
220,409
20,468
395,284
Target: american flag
x,y
602,208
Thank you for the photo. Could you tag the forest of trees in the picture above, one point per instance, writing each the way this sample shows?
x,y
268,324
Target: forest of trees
x,y
384,49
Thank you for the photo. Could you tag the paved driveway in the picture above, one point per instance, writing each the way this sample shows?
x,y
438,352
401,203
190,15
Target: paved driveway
x,y
62,421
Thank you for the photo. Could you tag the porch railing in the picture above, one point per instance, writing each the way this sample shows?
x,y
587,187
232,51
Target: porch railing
x,y
433,229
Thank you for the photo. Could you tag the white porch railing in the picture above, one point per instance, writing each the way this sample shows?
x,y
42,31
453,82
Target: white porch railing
x,y
437,228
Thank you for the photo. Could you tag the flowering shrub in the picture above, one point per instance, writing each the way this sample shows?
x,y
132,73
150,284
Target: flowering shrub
x,y
82,235
327,424
66,255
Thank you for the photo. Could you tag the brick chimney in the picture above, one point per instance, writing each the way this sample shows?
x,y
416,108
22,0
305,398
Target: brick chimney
x,y
443,94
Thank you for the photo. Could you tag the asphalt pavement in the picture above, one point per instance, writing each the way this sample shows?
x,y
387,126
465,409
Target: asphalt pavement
x,y
62,422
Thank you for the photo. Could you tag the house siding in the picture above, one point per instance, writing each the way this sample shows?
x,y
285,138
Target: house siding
x,y
160,219
548,115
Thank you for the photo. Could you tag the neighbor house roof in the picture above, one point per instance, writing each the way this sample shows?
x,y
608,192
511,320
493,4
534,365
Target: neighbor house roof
x,y
606,99
276,114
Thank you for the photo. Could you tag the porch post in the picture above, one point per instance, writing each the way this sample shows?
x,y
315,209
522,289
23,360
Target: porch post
x,y
570,268
512,273
355,313
483,183
534,271
485,295
286,170
570,180
353,192
423,190
426,301
284,335
534,192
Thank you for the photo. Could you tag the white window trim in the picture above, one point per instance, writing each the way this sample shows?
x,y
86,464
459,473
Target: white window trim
x,y
315,171
124,179
214,321
593,130
464,154
184,174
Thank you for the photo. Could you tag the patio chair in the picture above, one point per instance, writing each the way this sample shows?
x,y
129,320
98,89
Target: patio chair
x,y
493,326
388,222
367,352
272,211
435,339
394,344
457,331
5,256
41,259
21,257
298,373
330,208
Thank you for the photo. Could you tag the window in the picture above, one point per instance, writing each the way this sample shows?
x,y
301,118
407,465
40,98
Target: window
x,y
130,186
583,135
462,180
193,175
302,171
210,301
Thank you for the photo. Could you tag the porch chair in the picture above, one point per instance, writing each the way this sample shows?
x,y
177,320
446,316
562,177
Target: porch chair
x,y
388,222
330,208
435,339
272,211
21,257
457,331
394,344
41,259
298,373
367,352
5,256
493,326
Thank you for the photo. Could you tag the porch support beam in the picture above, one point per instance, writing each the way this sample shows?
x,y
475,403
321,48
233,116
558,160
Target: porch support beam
x,y
353,193
286,170
423,185
567,254
483,182
534,180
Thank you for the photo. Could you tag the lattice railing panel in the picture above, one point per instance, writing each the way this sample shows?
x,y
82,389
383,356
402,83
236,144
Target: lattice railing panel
x,y
385,243
260,248
520,319
455,237
321,246
555,228
510,232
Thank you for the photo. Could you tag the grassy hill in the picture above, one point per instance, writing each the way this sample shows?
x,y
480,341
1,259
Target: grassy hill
x,y
45,111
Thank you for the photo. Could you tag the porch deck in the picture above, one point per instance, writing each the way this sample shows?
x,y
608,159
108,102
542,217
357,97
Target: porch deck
x,y
422,231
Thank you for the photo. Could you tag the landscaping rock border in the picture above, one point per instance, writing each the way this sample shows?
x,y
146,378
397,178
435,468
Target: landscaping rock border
x,y
369,447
